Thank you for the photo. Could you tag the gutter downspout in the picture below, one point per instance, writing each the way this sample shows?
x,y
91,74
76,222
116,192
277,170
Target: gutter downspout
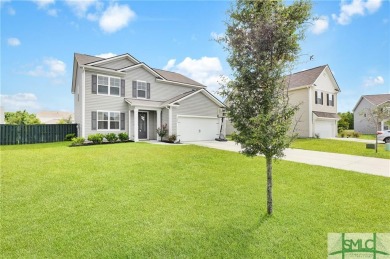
x,y
83,103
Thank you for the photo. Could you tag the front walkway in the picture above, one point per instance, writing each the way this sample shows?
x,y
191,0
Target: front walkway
x,y
361,164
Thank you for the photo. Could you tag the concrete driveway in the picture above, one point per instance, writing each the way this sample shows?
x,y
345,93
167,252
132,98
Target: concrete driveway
x,y
366,165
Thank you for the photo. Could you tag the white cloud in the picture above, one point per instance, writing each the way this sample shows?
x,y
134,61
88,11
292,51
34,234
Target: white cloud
x,y
374,81
170,64
52,12
106,55
206,70
216,36
20,101
116,17
92,17
356,7
80,8
11,11
13,42
43,3
50,67
320,25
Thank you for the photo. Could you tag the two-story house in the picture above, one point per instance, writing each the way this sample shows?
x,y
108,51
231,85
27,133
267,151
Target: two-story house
x,y
315,90
122,94
365,105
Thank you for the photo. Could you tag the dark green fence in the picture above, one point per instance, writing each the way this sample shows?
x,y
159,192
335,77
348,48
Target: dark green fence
x,y
30,134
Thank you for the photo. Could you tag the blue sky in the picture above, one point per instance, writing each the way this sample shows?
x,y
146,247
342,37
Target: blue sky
x,y
39,38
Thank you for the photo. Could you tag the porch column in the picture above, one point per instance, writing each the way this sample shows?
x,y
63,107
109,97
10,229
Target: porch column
x,y
170,121
129,124
135,124
382,125
158,120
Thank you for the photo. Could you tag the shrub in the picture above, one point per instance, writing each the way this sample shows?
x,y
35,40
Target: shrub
x,y
96,138
172,138
77,141
342,134
356,134
317,135
161,132
111,137
70,136
349,134
123,136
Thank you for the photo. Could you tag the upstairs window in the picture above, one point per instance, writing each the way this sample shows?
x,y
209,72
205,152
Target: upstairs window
x,y
141,89
102,84
319,97
107,85
115,84
330,101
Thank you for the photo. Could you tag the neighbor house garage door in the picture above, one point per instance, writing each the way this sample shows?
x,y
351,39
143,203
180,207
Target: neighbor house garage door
x,y
197,128
325,128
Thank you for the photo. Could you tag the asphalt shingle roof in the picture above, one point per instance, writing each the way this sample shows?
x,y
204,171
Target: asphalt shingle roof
x,y
377,99
326,115
303,78
83,59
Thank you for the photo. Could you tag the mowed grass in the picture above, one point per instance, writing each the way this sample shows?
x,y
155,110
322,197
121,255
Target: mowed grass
x,y
138,200
341,147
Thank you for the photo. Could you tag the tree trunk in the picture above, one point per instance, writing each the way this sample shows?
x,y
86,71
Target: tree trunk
x,y
269,185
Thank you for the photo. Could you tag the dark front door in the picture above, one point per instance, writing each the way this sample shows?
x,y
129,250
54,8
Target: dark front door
x,y
142,125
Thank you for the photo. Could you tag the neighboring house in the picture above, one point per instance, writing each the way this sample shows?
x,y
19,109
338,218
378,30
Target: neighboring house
x,y
53,117
122,94
315,90
365,103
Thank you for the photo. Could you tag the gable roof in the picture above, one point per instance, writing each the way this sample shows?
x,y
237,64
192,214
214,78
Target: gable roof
x,y
176,77
162,75
374,99
304,78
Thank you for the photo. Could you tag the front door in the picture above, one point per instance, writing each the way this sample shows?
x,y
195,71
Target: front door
x,y
142,125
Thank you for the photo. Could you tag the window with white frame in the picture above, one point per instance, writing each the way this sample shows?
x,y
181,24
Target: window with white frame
x,y
330,100
102,84
108,85
319,97
115,84
141,89
108,120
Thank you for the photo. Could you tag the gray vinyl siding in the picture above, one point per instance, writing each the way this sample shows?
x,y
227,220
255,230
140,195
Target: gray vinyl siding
x,y
158,91
360,122
118,64
196,105
152,125
95,102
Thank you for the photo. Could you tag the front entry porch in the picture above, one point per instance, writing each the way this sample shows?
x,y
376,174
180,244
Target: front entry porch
x,y
143,123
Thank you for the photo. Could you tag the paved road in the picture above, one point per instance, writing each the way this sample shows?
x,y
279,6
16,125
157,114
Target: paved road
x,y
367,165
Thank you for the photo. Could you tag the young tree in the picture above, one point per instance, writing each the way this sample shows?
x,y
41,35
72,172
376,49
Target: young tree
x,y
21,117
65,121
375,116
262,42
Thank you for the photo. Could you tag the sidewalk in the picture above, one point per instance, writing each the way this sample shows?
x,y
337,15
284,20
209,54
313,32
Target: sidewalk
x,y
361,164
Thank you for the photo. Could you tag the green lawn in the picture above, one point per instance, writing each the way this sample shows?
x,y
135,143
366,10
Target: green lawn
x,y
138,200
341,147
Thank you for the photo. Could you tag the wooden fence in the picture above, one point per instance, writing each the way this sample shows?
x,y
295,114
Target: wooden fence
x,y
30,134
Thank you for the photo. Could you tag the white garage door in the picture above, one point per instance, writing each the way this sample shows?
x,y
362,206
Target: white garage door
x,y
325,128
197,128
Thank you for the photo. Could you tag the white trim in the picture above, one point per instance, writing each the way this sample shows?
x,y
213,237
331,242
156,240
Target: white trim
x,y
310,111
109,85
195,116
109,128
170,121
146,90
146,67
179,83
90,68
299,88
158,113
206,93
129,129
135,124
83,122
108,60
